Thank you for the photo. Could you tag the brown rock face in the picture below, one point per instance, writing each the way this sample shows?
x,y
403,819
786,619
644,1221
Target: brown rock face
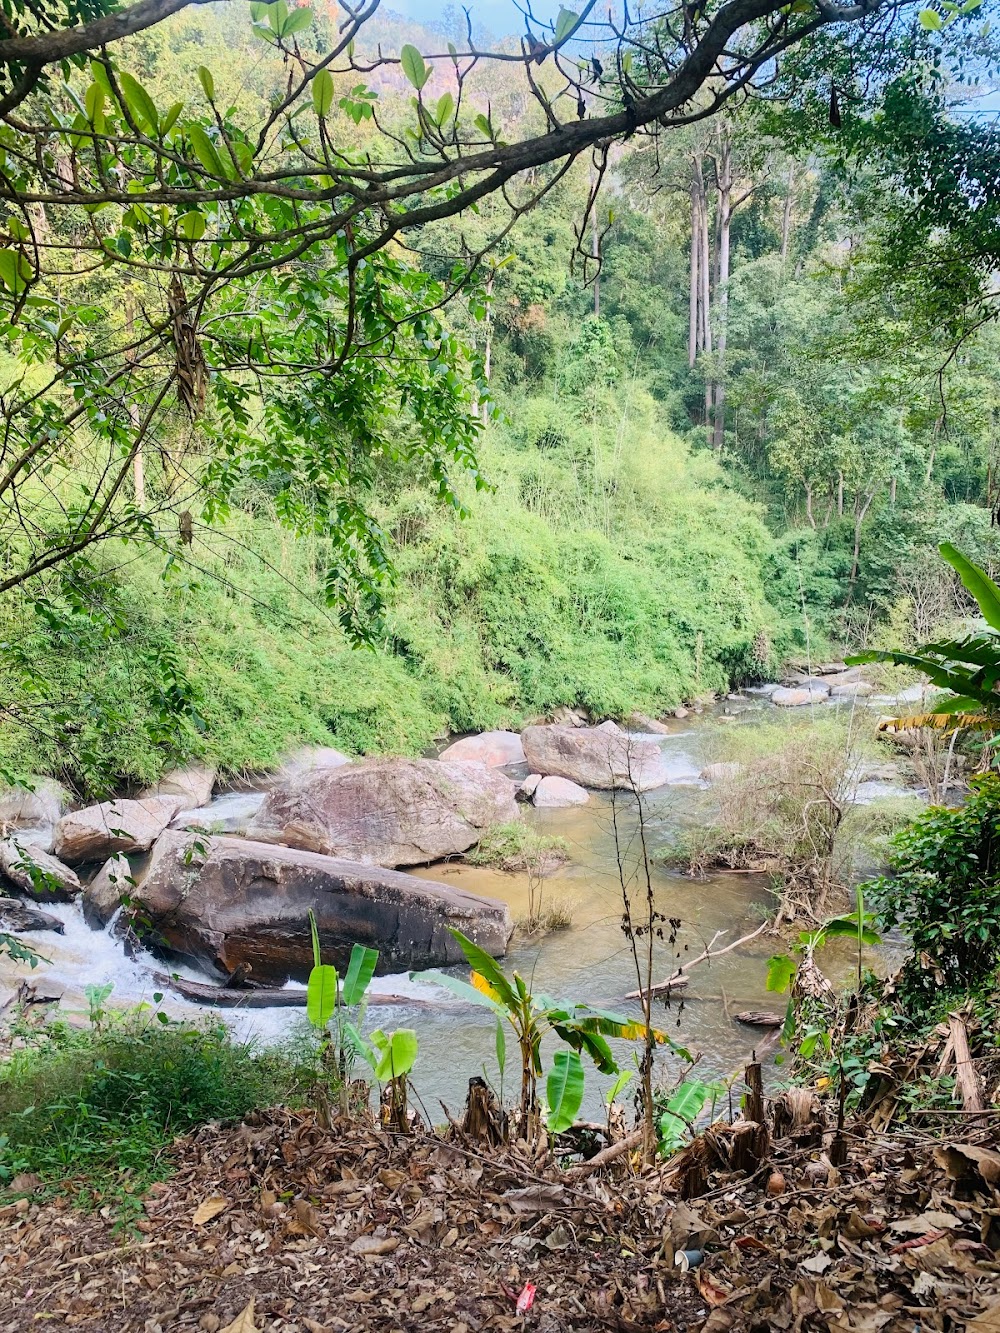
x,y
99,831
786,697
39,875
103,895
603,757
247,903
492,748
554,793
391,812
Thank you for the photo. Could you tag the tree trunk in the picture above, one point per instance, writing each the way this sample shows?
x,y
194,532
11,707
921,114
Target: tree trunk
x,y
786,216
840,495
488,350
858,520
809,505
725,219
695,294
595,249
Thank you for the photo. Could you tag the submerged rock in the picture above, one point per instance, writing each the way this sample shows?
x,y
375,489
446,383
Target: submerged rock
x,y
389,812
97,832
492,748
192,786
604,757
36,873
226,903
553,793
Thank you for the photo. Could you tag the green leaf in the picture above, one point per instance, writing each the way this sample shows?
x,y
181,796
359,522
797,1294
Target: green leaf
x,y
460,988
361,1047
94,103
207,82
501,1047
975,580
322,93
780,972
360,970
841,926
445,106
205,151
170,119
685,1105
397,1053
623,1079
565,23
100,76
191,227
321,995
930,21
413,66
314,934
480,961
139,103
12,271
298,20
564,1090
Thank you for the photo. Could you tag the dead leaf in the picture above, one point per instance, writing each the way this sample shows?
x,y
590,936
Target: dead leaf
x,y
535,1199
961,1160
244,1321
987,1321
370,1247
209,1208
819,1263
712,1292
930,1221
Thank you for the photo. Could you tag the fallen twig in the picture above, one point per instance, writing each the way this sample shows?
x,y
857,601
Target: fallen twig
x,y
679,977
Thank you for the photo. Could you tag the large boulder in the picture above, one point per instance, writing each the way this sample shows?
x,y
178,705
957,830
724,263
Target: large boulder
x,y
795,697
103,895
32,811
552,793
192,785
388,812
308,759
492,748
97,832
604,757
36,873
855,689
228,903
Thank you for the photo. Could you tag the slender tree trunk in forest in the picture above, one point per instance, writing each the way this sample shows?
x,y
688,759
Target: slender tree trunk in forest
x,y
786,216
725,219
859,518
695,297
488,351
705,280
595,250
892,491
840,495
809,505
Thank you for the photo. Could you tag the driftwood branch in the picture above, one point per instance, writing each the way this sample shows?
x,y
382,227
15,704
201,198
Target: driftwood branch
x,y
965,1071
679,977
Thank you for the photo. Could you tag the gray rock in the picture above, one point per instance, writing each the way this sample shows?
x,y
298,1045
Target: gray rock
x,y
857,689
529,784
643,722
240,903
388,812
192,785
604,757
492,748
232,812
41,805
36,873
103,895
569,717
795,698
20,917
97,832
554,793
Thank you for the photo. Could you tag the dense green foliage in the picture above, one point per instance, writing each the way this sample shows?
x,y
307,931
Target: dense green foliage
x,y
99,1106
943,889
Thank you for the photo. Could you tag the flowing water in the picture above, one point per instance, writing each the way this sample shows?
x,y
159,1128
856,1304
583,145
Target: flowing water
x,y
589,961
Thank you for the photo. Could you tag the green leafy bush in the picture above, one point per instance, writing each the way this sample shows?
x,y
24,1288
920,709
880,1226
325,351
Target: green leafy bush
x,y
943,890
101,1104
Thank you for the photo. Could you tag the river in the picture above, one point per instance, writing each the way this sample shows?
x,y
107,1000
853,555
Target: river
x,y
589,961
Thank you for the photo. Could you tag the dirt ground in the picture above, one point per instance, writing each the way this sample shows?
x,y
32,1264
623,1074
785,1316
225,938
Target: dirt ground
x,y
279,1225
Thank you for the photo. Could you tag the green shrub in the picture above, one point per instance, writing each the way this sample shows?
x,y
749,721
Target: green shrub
x,y
517,846
943,890
103,1103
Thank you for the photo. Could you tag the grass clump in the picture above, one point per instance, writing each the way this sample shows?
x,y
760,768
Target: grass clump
x,y
516,846
95,1109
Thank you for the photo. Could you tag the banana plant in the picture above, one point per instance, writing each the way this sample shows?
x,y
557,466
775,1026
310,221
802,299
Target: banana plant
x,y
328,1002
968,668
581,1027
391,1057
